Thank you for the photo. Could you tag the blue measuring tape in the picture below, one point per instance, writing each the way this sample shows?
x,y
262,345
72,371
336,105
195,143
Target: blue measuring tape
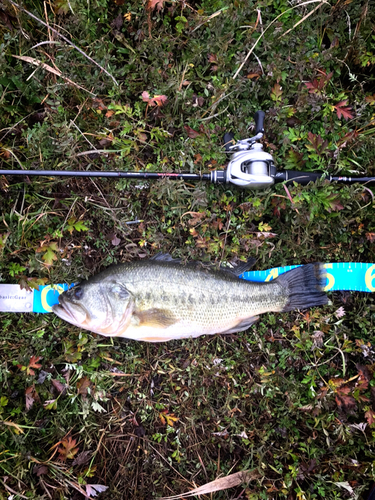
x,y
352,276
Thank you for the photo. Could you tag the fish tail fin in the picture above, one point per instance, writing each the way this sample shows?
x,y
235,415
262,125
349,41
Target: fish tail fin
x,y
305,285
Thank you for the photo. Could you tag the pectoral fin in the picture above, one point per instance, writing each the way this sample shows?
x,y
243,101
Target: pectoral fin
x,y
243,325
155,318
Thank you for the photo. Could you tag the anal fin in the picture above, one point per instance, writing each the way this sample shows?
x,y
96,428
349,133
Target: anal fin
x,y
243,325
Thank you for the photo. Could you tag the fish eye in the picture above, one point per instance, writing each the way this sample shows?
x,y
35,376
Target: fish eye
x,y
78,293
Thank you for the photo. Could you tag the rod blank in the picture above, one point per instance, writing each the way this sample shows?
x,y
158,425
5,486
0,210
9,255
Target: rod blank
x,y
119,174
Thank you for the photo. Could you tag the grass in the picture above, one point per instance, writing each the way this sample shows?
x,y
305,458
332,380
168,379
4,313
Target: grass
x,y
292,398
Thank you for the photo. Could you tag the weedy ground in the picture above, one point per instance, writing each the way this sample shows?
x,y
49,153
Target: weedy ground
x,y
293,398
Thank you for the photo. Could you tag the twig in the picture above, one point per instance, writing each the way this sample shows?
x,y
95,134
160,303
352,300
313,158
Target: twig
x,y
210,17
101,151
301,20
63,37
369,190
213,116
13,491
47,42
260,64
268,27
226,235
221,98
183,78
15,125
17,160
49,68
83,135
70,7
47,23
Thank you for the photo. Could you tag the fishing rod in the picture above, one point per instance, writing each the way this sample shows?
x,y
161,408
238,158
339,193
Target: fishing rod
x,y
249,168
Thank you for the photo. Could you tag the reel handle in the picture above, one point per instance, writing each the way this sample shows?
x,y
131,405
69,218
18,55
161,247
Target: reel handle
x,y
228,141
259,121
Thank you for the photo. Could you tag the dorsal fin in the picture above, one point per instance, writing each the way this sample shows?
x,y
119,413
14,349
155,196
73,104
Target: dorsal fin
x,y
235,271
240,268
165,257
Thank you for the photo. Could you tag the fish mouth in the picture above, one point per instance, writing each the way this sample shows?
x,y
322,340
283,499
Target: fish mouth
x,y
69,312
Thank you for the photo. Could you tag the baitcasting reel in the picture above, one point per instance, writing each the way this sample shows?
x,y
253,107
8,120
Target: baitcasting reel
x,y
250,166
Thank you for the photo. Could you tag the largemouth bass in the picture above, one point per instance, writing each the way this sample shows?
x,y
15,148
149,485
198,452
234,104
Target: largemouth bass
x,y
158,299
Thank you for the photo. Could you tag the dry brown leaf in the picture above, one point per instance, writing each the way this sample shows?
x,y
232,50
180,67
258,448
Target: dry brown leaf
x,y
83,385
157,100
31,396
219,484
67,449
159,4
45,66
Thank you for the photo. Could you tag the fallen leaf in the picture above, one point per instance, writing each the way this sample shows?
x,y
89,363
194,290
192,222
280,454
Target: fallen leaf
x,y
370,416
220,484
67,449
157,100
32,283
370,237
31,396
168,418
155,3
92,490
49,255
33,363
191,133
340,312
115,241
346,486
343,110
40,470
318,84
276,92
317,143
250,76
50,404
224,434
83,385
58,386
342,397
82,458
334,204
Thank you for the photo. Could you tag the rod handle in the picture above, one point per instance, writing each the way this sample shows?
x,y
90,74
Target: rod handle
x,y
303,178
259,121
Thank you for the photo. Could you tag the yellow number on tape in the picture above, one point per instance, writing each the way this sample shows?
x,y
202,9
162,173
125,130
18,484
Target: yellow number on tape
x,y
273,274
330,277
43,297
369,278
